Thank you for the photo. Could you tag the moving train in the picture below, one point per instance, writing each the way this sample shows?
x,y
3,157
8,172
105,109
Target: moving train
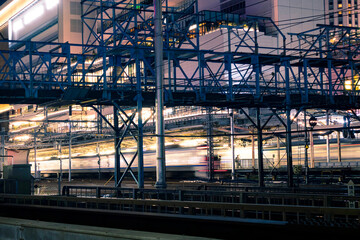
x,y
180,161
192,161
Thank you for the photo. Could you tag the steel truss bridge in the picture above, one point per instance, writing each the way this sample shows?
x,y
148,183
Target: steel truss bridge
x,y
115,66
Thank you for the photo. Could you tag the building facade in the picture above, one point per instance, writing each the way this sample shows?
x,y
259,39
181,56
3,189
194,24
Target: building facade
x,y
342,12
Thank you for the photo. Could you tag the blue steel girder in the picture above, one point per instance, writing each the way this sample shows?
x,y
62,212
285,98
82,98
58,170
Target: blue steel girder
x,y
329,41
244,78
180,30
245,68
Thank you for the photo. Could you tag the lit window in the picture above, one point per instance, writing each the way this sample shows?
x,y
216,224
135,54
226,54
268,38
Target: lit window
x,y
348,85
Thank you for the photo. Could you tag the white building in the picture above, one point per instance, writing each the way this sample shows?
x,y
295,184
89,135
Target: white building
x,y
291,16
45,21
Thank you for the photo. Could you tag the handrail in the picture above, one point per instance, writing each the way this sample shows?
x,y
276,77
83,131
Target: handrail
x,y
283,198
289,213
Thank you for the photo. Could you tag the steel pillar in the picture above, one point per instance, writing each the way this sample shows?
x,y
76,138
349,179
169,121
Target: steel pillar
x,y
2,152
253,149
260,149
278,157
140,146
339,146
99,158
60,174
35,153
232,129
290,182
117,148
159,102
210,149
70,142
312,150
289,149
327,139
60,161
306,162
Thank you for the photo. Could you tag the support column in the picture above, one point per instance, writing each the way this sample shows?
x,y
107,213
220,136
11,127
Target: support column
x,y
289,149
327,139
312,152
117,148
60,174
306,162
35,155
253,150
232,143
260,150
210,149
60,161
70,151
159,103
278,151
339,146
290,182
99,158
140,145
2,152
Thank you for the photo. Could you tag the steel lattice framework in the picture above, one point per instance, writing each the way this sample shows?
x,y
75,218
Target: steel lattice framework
x,y
116,65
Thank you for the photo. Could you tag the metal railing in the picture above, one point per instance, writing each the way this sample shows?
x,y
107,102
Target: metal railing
x,y
326,216
247,196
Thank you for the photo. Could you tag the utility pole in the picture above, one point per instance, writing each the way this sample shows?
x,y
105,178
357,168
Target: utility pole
x,y
159,102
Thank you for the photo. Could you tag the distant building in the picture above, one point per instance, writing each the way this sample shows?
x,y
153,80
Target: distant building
x,y
233,6
47,21
342,12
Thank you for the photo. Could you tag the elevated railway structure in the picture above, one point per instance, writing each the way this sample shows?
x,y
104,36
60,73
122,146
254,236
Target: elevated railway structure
x,y
228,212
236,67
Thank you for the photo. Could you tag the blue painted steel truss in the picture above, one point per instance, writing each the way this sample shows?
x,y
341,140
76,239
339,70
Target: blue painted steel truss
x,y
209,60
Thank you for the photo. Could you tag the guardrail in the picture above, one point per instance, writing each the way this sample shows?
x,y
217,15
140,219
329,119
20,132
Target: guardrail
x,y
349,217
281,198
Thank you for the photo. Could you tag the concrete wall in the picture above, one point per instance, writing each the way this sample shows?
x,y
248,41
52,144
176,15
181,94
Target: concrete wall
x,y
12,228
